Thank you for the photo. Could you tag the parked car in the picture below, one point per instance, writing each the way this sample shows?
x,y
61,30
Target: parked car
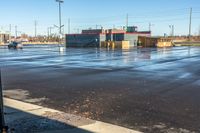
x,y
15,45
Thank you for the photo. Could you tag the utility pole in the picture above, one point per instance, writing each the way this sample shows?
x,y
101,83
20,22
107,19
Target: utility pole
x,y
149,26
16,31
190,24
10,34
48,32
127,17
69,25
10,28
50,28
172,30
199,30
35,24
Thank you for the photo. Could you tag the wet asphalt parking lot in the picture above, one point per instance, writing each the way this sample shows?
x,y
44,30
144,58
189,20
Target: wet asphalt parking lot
x,y
148,89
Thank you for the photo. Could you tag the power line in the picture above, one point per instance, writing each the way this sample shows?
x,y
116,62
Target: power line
x,y
114,20
170,12
159,16
148,17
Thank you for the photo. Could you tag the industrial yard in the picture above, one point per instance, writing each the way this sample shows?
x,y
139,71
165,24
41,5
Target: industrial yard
x,y
146,89
90,66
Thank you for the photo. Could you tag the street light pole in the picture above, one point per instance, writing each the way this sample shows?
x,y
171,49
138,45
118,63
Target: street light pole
x,y
60,19
60,23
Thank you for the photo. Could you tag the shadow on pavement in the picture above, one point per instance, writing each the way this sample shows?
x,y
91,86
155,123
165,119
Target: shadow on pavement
x,y
23,122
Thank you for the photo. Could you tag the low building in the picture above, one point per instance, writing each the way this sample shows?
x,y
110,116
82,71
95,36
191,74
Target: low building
x,y
131,35
119,37
93,31
100,37
145,41
88,38
4,38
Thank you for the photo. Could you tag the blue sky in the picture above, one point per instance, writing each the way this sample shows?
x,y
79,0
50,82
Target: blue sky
x,y
108,13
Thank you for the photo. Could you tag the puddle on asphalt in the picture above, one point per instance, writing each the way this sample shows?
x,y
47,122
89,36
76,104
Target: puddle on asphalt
x,y
185,75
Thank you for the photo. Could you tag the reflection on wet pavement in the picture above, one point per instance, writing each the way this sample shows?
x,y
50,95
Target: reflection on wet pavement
x,y
149,89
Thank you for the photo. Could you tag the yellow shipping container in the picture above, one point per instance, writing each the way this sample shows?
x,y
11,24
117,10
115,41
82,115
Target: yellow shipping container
x,y
115,44
164,42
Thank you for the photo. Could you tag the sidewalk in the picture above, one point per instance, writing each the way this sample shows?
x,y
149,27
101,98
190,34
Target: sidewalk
x,y
28,118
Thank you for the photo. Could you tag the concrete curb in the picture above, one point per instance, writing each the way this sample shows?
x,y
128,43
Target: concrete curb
x,y
17,110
